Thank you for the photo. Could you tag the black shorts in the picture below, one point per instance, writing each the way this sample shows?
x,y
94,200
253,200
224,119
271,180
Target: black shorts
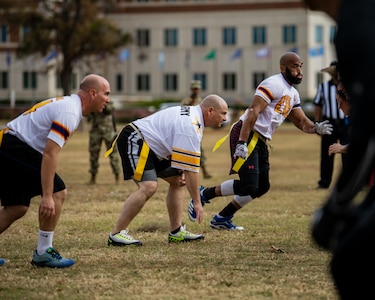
x,y
20,171
130,144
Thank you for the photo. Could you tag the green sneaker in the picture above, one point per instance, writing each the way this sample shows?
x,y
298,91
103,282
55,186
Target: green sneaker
x,y
122,239
184,236
51,259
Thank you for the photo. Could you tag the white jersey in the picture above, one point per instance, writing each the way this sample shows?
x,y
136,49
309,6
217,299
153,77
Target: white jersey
x,y
281,97
55,119
175,133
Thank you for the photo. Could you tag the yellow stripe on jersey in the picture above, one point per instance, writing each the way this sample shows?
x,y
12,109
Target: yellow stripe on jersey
x,y
185,159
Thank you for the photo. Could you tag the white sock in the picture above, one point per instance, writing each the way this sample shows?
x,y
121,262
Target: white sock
x,y
44,241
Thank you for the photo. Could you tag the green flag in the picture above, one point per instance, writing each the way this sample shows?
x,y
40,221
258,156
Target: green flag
x,y
211,55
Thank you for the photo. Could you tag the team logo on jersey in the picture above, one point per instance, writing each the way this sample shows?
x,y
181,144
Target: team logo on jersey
x,y
283,106
198,124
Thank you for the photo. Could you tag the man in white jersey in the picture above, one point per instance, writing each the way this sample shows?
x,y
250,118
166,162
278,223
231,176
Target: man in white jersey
x,y
275,100
29,149
165,144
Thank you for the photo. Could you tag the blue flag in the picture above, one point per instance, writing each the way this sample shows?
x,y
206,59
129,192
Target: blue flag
x,y
318,51
236,54
50,56
124,55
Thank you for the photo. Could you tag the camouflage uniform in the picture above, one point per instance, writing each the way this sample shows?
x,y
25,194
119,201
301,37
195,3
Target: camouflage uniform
x,y
103,128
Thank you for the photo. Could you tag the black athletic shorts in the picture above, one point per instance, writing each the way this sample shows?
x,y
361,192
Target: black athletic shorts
x,y
20,169
129,144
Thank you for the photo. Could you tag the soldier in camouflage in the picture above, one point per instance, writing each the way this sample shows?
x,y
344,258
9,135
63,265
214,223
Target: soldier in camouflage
x,y
103,128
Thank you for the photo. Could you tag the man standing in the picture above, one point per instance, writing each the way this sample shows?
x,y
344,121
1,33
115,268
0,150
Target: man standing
x,y
103,128
326,109
29,149
275,100
194,99
165,144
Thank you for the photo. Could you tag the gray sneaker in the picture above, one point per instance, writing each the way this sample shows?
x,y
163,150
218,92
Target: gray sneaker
x,y
122,239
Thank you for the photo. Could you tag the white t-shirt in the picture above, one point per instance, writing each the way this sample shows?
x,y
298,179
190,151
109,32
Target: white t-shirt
x,y
175,132
55,119
281,97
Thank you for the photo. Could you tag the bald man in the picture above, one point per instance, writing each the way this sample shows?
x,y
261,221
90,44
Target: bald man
x,y
165,145
275,100
29,149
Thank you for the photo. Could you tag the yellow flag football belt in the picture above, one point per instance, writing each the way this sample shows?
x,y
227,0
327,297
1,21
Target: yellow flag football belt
x,y
2,134
142,157
240,161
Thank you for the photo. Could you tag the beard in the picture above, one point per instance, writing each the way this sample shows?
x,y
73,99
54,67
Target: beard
x,y
292,79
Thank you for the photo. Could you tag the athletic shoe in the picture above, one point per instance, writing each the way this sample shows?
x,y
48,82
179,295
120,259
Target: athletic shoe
x,y
51,259
184,236
191,212
122,239
2,261
218,222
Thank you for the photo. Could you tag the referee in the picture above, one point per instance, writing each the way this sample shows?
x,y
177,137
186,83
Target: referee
x,y
326,109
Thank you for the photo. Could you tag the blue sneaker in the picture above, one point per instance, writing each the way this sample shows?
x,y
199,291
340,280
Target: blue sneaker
x,y
2,261
51,259
191,212
218,222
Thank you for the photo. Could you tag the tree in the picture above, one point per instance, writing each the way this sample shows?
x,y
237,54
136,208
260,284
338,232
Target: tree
x,y
74,28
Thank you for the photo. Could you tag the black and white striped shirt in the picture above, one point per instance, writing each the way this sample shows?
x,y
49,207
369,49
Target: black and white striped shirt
x,y
326,98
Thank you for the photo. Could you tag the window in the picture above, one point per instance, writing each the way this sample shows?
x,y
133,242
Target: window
x,y
203,78
170,37
332,35
143,82
170,82
229,81
3,34
319,34
143,37
119,82
4,80
25,31
259,35
258,77
29,80
289,34
199,37
229,36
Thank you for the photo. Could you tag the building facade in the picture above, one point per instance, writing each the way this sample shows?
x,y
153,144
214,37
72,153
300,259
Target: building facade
x,y
229,45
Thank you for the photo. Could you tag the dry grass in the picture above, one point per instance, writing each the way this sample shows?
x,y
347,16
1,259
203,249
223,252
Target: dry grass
x,y
226,265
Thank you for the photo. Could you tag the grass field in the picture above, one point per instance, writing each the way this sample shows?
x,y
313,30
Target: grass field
x,y
226,265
